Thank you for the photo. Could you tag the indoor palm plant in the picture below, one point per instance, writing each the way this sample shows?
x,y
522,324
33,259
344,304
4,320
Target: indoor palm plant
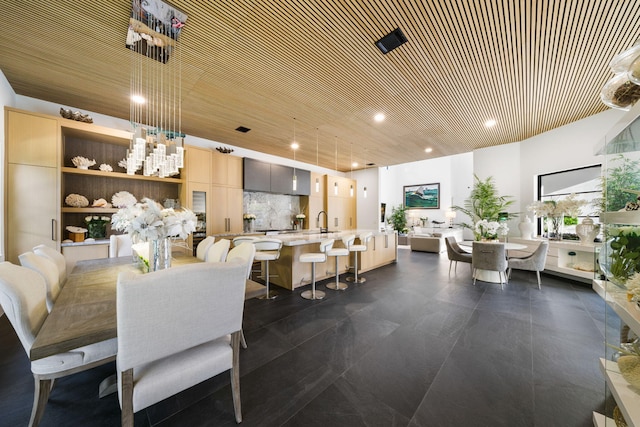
x,y
398,219
485,203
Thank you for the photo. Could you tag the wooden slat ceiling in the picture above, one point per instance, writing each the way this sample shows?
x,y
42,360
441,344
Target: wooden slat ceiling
x,y
531,65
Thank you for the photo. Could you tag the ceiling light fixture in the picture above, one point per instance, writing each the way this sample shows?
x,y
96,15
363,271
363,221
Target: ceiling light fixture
x,y
157,143
294,147
335,184
490,123
317,179
378,117
428,150
351,173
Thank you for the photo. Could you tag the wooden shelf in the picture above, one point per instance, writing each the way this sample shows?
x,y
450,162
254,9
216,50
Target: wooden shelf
x,y
89,210
625,394
119,175
75,129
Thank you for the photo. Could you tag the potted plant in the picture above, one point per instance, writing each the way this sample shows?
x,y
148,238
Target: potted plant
x,y
485,203
398,219
624,176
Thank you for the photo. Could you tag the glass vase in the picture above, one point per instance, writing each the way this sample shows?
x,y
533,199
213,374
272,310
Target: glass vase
x,y
248,226
554,227
159,254
97,229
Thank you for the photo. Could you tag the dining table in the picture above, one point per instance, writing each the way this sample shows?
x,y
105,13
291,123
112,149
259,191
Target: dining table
x,y
85,311
490,275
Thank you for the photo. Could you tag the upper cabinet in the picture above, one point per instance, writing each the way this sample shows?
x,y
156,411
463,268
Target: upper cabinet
x,y
226,170
32,139
267,177
198,164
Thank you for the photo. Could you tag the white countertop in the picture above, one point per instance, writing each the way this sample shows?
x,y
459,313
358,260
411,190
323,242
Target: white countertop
x,y
314,236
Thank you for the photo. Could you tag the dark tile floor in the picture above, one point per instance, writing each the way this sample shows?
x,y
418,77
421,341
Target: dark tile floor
x,y
410,347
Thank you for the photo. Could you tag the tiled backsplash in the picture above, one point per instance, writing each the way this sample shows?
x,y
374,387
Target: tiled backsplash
x,y
272,211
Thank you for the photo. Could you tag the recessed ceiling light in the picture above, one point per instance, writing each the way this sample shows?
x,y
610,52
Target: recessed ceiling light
x,y
354,164
138,99
378,117
428,150
295,145
490,123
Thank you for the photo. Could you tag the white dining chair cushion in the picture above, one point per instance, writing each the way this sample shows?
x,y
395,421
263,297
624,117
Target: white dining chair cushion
x,y
338,252
158,380
56,257
266,255
245,253
203,247
313,257
49,272
218,251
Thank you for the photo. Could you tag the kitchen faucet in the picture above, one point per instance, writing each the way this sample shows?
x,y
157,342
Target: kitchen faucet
x,y
326,220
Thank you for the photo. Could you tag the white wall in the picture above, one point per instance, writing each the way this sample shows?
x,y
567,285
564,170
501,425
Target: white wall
x,y
514,167
368,209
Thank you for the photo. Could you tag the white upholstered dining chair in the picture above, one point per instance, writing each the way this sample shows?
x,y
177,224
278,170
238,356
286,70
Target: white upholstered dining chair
x,y
120,245
244,254
218,251
193,338
56,257
22,297
534,262
49,272
203,247
489,256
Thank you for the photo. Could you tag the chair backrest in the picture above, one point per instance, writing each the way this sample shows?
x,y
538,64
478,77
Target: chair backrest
x,y
203,247
539,256
56,257
200,303
365,237
326,245
237,241
268,244
120,245
22,297
489,256
218,251
49,272
245,252
348,240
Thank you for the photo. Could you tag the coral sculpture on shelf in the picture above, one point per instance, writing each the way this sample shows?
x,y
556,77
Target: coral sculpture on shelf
x,y
76,200
82,162
101,203
105,168
123,199
122,164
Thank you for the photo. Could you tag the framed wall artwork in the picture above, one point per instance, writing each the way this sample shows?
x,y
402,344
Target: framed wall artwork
x,y
423,196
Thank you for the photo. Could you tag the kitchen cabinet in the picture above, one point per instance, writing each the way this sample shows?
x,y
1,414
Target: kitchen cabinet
x,y
32,182
340,202
226,170
272,178
198,164
226,210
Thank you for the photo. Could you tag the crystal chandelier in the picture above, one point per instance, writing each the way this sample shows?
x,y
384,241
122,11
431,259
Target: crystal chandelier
x,y
157,143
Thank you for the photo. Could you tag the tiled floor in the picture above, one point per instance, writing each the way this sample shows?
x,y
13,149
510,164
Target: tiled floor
x,y
410,347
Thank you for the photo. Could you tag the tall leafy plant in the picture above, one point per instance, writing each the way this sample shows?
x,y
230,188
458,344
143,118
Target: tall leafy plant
x,y
398,219
484,202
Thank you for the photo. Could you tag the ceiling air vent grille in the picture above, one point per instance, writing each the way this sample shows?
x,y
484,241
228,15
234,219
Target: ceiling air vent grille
x,y
391,41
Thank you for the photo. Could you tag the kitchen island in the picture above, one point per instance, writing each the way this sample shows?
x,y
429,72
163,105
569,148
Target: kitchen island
x,y
287,272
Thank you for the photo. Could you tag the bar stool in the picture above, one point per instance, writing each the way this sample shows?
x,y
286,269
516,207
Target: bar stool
x,y
325,246
364,240
267,250
237,241
337,252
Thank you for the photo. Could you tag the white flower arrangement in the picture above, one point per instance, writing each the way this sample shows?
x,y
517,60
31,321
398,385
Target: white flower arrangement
x,y
123,199
82,162
105,168
490,229
76,200
147,221
249,217
569,206
301,216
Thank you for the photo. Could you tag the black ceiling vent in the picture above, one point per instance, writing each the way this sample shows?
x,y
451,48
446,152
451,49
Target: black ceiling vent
x,y
370,164
242,129
391,41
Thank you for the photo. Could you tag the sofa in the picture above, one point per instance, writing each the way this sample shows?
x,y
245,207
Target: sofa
x,y
432,239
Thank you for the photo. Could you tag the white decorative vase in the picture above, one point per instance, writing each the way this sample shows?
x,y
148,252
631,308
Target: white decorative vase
x,y
587,231
526,229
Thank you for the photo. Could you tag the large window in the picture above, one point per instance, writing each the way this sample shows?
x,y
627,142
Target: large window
x,y
583,182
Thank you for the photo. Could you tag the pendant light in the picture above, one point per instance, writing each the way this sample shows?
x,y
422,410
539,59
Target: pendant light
x,y
335,184
317,179
351,173
294,146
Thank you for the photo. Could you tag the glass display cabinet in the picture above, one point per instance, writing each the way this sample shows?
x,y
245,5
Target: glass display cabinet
x,y
619,264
